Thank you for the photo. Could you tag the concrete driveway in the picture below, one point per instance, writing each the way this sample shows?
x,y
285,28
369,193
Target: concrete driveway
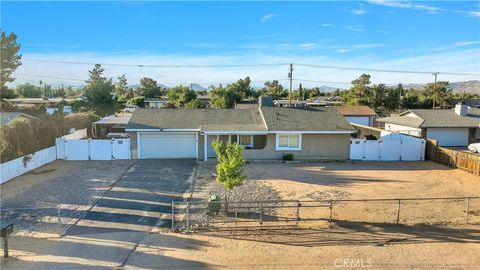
x,y
140,199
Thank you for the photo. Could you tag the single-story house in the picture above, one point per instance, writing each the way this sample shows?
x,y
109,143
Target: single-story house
x,y
457,127
156,103
265,132
7,118
362,115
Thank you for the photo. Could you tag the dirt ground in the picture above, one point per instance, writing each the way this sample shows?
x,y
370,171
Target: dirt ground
x,y
365,180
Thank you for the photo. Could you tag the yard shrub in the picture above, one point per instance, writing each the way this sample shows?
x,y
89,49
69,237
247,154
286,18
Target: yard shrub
x,y
288,156
230,164
22,138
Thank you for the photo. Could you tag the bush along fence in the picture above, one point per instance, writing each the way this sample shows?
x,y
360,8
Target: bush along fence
x,y
296,214
456,159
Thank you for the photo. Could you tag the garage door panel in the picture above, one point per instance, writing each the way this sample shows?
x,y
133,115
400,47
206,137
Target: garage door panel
x,y
167,145
449,136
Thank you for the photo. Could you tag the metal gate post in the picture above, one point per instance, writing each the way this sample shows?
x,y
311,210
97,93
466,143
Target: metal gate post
x,y
236,216
188,216
173,215
398,212
59,213
331,213
298,212
5,247
261,217
467,210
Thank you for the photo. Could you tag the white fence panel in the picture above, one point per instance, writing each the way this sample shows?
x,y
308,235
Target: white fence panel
x,y
100,149
77,150
406,149
16,167
60,145
121,149
413,150
390,150
371,150
356,149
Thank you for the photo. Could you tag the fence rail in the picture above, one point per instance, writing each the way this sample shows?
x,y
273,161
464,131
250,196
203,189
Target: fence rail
x,y
198,215
465,161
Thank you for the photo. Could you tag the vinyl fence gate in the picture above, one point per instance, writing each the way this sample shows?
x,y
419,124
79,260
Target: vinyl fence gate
x,y
387,150
93,149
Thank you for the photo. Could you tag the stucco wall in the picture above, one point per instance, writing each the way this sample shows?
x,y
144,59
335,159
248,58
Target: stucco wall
x,y
314,146
403,129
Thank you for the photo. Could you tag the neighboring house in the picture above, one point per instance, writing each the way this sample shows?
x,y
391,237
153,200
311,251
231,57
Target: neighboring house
x,y
303,103
473,103
266,132
155,103
456,127
112,126
66,110
6,118
362,115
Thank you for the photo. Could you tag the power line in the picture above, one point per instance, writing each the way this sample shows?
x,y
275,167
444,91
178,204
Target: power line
x,y
385,70
253,65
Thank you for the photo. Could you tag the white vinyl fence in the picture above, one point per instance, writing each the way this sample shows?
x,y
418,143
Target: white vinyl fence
x,y
392,147
19,166
93,149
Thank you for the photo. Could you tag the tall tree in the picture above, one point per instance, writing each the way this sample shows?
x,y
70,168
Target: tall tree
x,y
222,98
274,89
121,87
27,90
301,92
96,74
180,95
242,88
10,59
149,88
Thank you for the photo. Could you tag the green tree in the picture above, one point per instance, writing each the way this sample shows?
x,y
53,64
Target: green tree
x,y
195,104
139,101
360,93
149,88
180,95
230,164
221,98
99,92
121,87
274,89
242,88
27,90
96,74
7,93
10,58
443,93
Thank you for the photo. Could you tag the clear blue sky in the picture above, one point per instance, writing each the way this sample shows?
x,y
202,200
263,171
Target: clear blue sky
x,y
405,35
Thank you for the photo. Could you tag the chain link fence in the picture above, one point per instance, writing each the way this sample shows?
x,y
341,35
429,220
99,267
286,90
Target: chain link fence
x,y
48,221
292,214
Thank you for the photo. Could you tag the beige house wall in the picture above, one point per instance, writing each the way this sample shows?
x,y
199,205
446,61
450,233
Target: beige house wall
x,y
314,146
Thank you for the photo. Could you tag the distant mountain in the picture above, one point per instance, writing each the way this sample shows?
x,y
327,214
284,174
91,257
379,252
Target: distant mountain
x,y
325,88
472,87
197,87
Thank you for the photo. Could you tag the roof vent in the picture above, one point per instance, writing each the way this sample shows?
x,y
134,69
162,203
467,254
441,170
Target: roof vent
x,y
461,109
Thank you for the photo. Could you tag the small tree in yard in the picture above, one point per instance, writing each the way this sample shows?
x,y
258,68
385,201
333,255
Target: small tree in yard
x,y
230,164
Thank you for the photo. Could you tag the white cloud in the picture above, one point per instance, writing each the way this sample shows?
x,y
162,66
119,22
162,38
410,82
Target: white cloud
x,y
308,45
344,50
367,46
358,12
327,25
383,32
267,17
423,7
467,43
355,28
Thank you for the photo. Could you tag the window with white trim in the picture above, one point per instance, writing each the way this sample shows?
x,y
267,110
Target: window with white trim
x,y
289,142
245,140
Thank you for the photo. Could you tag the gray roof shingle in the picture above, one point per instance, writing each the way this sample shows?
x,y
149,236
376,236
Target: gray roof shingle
x,y
305,119
277,119
436,118
203,119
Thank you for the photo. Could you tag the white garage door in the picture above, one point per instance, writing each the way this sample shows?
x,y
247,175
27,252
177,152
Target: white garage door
x,y
449,136
167,145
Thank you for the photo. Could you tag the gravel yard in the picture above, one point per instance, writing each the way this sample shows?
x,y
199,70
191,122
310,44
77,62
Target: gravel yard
x,y
315,182
31,201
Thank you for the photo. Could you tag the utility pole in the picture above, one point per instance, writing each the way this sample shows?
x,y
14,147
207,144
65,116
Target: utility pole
x,y
290,77
434,89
